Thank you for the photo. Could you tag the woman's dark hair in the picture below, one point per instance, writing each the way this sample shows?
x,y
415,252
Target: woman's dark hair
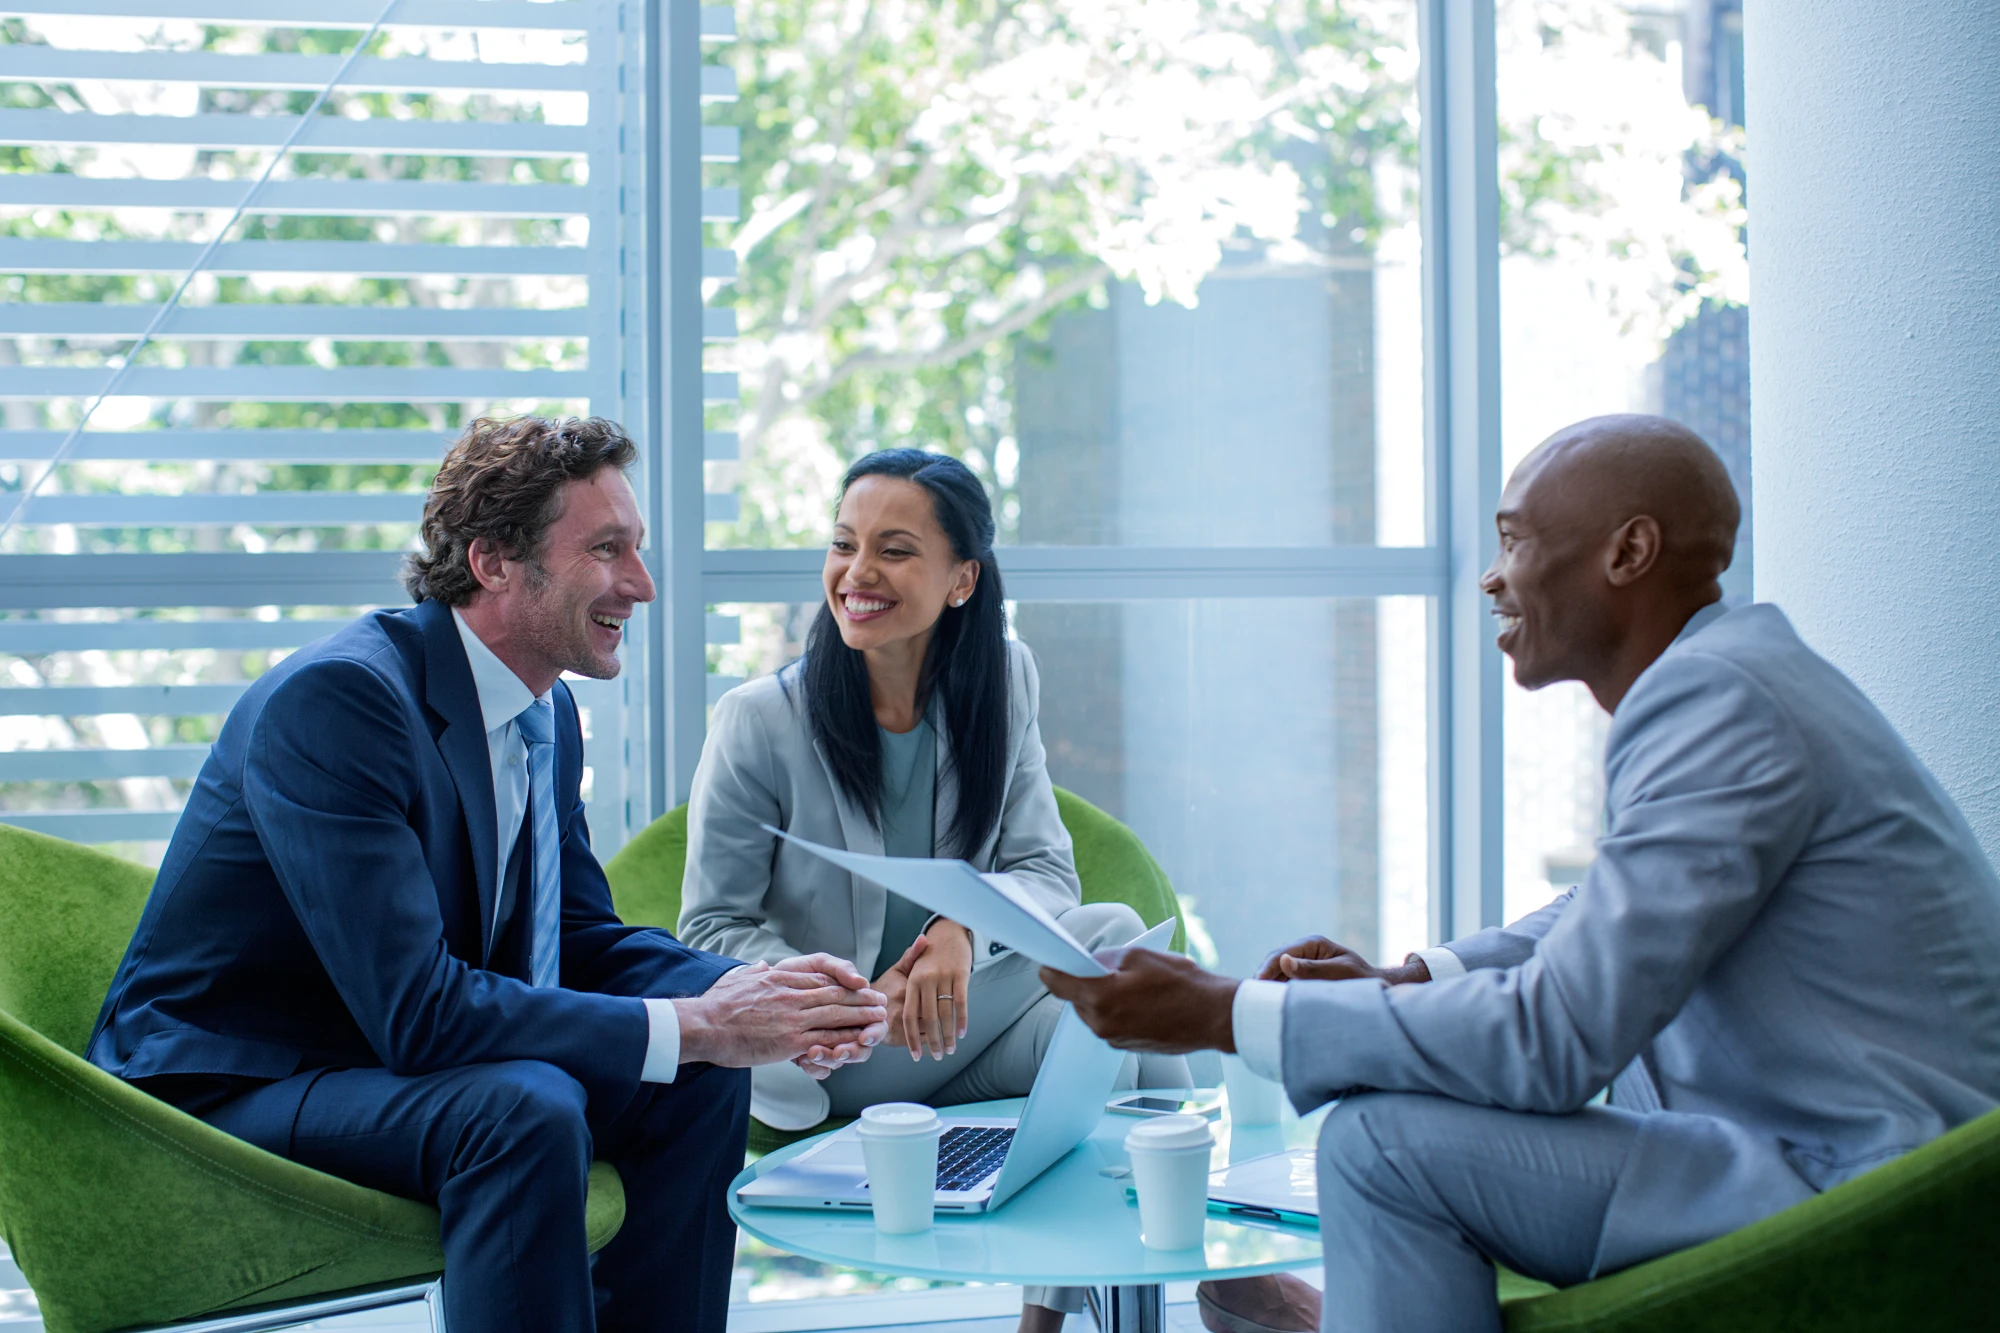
x,y
965,666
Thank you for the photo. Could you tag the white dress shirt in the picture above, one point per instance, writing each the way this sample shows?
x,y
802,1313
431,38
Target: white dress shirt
x,y
502,697
1257,1017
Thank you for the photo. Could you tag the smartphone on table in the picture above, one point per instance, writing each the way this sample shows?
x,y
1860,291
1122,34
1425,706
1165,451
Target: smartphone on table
x,y
1202,1102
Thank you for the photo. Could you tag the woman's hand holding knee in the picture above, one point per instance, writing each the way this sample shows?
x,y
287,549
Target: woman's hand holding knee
x,y
934,1009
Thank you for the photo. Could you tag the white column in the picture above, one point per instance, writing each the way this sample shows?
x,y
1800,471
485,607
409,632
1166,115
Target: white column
x,y
1875,358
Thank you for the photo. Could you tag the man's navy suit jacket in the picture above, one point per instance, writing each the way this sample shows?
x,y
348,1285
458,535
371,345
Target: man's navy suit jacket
x,y
328,899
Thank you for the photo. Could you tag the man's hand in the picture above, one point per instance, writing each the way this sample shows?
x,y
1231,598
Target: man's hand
x,y
1158,1002
1317,958
812,1010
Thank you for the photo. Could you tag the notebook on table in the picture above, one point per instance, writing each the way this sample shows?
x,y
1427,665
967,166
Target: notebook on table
x,y
1276,1187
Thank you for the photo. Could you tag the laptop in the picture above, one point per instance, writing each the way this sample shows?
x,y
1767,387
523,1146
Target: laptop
x,y
982,1162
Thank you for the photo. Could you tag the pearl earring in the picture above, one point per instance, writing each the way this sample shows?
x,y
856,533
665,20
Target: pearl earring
x,y
959,602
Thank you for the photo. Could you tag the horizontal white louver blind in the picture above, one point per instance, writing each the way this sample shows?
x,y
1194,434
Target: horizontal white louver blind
x,y
448,239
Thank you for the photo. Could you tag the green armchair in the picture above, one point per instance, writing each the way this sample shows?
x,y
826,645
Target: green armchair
x,y
1111,862
122,1211
1907,1247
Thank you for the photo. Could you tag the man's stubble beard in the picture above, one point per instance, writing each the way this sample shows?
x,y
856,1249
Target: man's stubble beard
x,y
562,632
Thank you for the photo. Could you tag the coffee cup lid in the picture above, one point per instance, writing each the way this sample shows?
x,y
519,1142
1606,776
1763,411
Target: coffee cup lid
x,y
1162,1133
894,1119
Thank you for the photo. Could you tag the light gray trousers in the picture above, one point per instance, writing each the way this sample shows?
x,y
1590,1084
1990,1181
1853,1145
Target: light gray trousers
x,y
1419,1196
1010,1021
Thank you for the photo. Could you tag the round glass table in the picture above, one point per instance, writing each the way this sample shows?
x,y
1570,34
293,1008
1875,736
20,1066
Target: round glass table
x,y
1073,1227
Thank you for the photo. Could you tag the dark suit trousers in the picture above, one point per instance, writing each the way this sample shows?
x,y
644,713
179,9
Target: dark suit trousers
x,y
504,1150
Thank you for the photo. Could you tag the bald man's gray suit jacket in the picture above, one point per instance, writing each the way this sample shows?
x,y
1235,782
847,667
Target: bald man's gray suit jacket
x,y
1789,924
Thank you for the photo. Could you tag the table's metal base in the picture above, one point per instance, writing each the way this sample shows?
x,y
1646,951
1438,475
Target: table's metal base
x,y
1129,1309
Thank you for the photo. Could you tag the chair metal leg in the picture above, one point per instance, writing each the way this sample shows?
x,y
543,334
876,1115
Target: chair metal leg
x,y
1141,1309
431,1294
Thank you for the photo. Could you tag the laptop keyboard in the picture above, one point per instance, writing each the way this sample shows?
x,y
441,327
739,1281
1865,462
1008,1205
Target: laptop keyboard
x,y
967,1154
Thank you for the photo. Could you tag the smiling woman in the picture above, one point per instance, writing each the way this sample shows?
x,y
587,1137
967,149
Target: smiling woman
x,y
909,728
914,598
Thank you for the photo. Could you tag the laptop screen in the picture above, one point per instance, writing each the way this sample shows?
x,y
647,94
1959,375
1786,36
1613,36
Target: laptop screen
x,y
1078,1073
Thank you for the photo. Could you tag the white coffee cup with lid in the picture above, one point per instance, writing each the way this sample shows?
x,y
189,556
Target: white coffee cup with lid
x,y
899,1144
1170,1173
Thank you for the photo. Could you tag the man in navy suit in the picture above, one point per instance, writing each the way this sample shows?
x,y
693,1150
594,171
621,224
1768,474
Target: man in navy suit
x,y
380,944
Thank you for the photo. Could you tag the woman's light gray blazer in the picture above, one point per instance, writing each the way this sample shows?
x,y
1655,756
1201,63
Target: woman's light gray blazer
x,y
747,895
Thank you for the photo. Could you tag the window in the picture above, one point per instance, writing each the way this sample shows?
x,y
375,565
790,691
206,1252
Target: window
x,y
445,242
1155,276
1622,290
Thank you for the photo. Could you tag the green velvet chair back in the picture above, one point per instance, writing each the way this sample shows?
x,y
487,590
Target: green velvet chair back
x,y
1115,867
1111,862
646,873
66,914
121,1210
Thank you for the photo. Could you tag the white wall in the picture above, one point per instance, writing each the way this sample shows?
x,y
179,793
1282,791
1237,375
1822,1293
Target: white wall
x,y
1874,171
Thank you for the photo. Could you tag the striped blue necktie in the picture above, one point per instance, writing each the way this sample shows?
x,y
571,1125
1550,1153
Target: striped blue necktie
x,y
538,728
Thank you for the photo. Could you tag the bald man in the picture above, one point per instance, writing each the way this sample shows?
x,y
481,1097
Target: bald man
x,y
1784,962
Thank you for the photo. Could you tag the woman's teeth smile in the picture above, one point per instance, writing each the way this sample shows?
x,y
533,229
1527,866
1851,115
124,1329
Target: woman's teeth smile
x,y
860,605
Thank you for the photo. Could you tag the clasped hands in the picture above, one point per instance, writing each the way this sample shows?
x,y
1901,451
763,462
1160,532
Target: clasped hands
x,y
816,1011
1170,1005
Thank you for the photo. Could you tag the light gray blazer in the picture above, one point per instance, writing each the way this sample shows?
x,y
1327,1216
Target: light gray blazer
x,y
1788,919
747,895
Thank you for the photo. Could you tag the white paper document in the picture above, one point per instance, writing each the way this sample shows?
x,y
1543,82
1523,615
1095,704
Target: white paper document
x,y
1284,1184
989,904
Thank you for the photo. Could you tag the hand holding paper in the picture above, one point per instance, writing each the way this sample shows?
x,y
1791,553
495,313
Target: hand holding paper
x,y
988,904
